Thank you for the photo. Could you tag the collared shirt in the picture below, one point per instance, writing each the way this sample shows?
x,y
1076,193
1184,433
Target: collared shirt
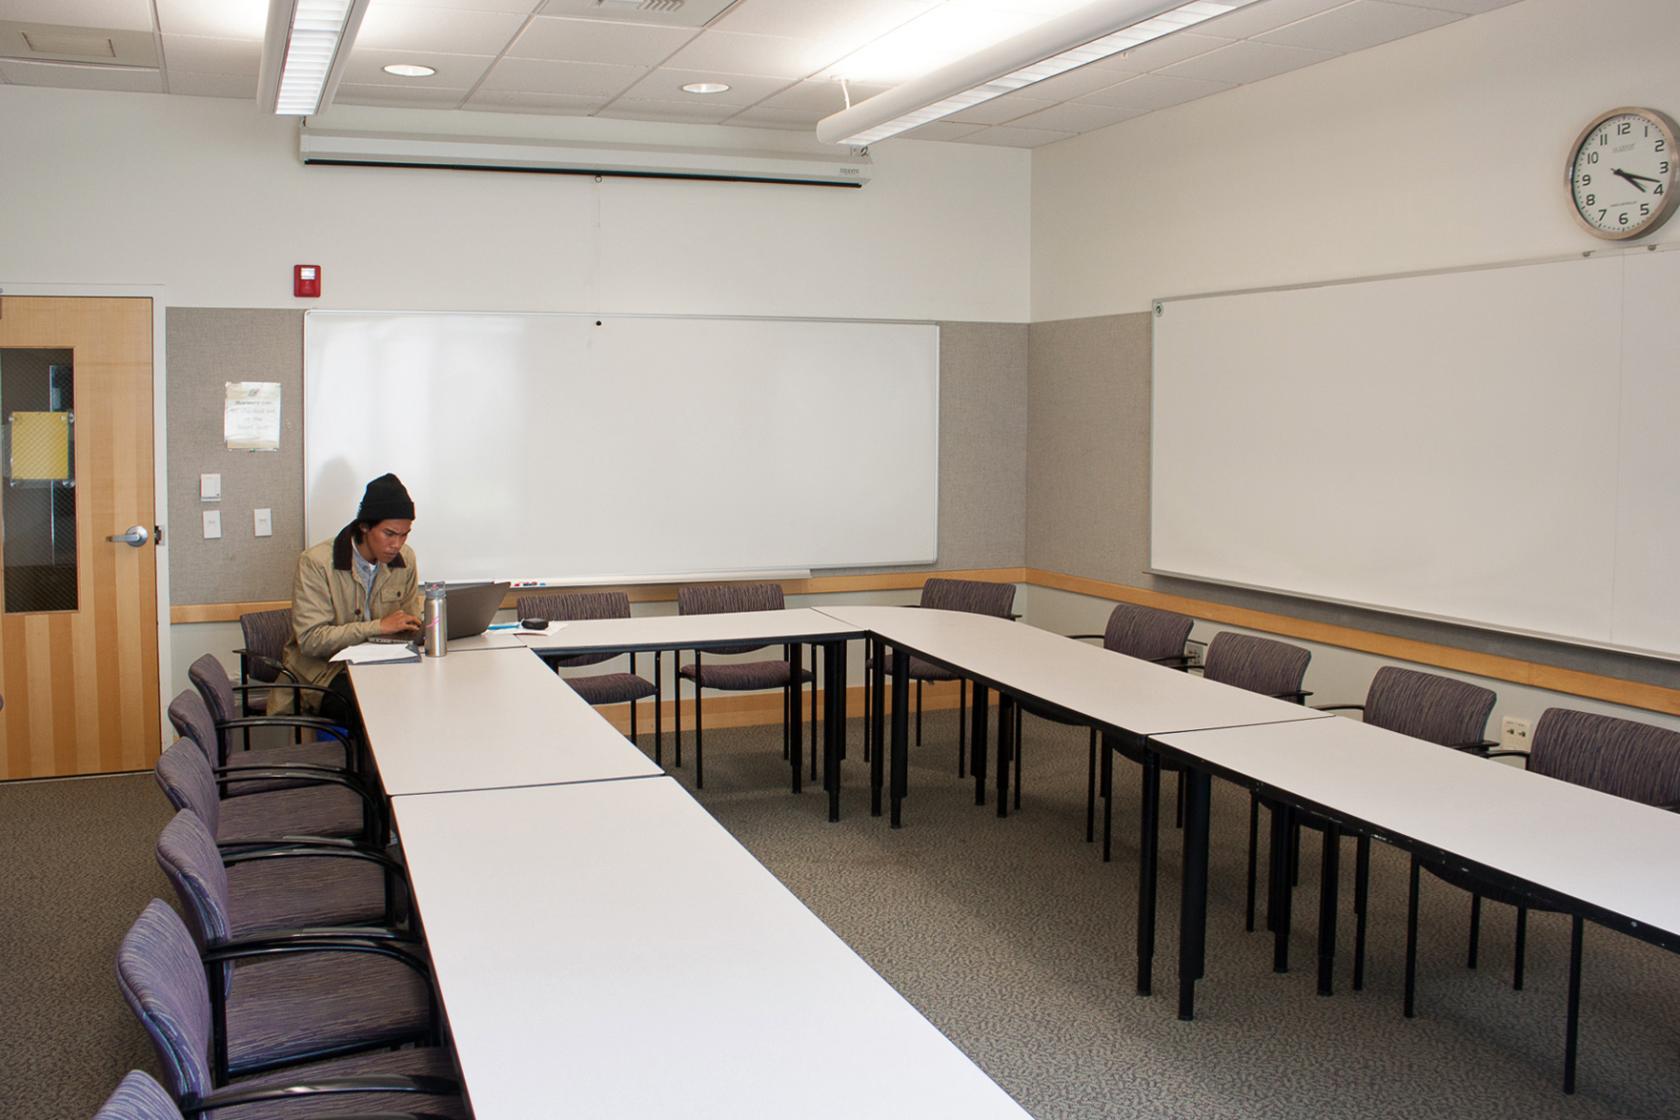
x,y
366,570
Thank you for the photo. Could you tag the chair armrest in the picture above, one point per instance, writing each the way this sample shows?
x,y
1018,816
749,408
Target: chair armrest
x,y
1505,754
362,1083
264,659
1338,707
1085,637
282,944
303,776
1172,661
266,843
294,685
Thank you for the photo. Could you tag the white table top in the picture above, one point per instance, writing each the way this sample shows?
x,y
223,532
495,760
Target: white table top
x,y
1108,688
687,631
1604,851
485,720
610,950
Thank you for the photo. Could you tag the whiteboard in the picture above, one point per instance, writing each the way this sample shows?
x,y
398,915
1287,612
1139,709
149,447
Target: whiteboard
x,y
583,448
1491,447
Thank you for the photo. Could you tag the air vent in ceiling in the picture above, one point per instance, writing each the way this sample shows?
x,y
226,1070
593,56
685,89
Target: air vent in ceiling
x,y
47,42
69,44
664,13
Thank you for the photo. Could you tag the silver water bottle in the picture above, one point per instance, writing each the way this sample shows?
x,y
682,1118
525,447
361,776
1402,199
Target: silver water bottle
x,y
435,626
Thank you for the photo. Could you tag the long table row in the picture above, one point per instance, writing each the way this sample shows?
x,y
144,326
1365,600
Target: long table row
x,y
496,721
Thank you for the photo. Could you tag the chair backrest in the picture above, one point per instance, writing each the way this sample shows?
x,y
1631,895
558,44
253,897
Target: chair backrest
x,y
1428,706
211,680
185,776
162,978
728,598
1146,632
266,632
1617,756
574,606
138,1097
190,716
974,596
1261,665
188,855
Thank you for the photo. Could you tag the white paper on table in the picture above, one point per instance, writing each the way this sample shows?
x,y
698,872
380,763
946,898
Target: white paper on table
x,y
368,653
251,416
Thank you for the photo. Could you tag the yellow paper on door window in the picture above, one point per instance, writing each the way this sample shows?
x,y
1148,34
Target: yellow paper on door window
x,y
41,446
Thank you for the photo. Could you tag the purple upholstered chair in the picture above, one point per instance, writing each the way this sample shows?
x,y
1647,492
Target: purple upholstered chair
x,y
600,688
191,717
221,699
1620,757
165,982
322,803
138,1097
734,676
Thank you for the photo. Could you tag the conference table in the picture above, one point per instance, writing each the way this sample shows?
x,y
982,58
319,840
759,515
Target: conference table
x,y
608,949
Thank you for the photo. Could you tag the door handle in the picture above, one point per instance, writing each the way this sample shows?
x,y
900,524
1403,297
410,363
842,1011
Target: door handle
x,y
135,537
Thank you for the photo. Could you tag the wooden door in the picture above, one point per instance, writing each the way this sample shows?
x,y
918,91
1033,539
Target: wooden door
x,y
78,612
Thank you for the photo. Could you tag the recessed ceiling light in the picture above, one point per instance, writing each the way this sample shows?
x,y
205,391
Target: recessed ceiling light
x,y
409,70
705,87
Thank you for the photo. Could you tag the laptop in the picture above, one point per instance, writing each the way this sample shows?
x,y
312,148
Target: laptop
x,y
472,606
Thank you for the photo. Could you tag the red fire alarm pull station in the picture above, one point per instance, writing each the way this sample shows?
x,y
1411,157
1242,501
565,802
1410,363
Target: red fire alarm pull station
x,y
306,281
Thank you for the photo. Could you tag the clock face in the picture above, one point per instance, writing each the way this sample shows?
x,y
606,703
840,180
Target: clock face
x,y
1622,173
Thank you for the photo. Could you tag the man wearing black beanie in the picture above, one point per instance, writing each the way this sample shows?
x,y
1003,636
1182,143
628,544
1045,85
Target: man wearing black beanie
x,y
362,584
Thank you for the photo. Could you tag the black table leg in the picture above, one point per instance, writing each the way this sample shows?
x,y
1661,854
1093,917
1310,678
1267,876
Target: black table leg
x,y
875,716
1148,864
900,733
977,759
1107,795
1192,924
834,737
796,716
658,709
1005,750
1280,911
1329,882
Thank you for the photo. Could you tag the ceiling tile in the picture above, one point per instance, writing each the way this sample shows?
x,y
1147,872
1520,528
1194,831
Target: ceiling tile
x,y
437,29
119,15
685,13
1467,7
1155,91
1073,116
1005,136
790,120
520,7
454,71
68,75
512,101
665,84
218,19
585,79
1257,19
1359,25
1164,51
773,56
821,96
842,25
401,97
642,109
1000,110
201,55
1076,83
940,130
584,40
1248,61
212,85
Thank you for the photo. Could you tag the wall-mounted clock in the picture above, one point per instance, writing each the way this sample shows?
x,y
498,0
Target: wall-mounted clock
x,y
1623,173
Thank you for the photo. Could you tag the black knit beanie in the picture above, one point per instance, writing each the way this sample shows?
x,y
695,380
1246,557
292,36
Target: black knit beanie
x,y
386,498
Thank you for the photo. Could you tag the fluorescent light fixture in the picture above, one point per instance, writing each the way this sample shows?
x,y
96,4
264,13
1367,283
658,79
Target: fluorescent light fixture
x,y
408,70
705,87
304,53
1083,36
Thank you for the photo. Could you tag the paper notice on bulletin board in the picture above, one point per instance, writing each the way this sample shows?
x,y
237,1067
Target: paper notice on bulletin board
x,y
251,416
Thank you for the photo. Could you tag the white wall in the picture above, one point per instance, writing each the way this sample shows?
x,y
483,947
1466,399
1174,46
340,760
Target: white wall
x,y
207,197
1444,149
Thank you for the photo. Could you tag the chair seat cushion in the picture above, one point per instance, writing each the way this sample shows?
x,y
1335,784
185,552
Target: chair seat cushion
x,y
320,810
413,1062
741,676
611,688
295,893
922,670
289,1007
326,753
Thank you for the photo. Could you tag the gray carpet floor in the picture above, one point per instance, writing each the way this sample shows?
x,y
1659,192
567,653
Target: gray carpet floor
x,y
1012,936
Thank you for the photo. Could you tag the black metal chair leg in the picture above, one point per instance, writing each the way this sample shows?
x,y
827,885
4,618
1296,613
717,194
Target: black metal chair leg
x,y
658,708
699,748
812,741
962,729
868,709
676,714
1361,904
633,704
1091,790
1572,1028
1017,793
918,713
1253,846
1411,942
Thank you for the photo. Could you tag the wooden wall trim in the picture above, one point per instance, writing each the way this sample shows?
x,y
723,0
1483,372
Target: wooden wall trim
x,y
1593,686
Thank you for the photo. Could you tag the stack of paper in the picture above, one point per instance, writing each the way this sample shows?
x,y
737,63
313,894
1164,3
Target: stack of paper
x,y
369,653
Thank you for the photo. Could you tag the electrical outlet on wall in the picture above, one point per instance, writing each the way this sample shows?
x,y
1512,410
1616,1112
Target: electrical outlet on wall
x,y
1194,652
212,524
1513,733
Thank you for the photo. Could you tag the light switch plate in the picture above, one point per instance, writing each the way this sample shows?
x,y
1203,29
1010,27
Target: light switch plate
x,y
263,522
209,487
212,524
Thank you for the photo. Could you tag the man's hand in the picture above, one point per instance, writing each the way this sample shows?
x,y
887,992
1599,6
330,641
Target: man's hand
x,y
398,622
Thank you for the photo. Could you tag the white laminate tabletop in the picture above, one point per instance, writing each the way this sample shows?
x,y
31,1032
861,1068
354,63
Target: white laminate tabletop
x,y
484,720
1109,688
689,630
609,950
1604,851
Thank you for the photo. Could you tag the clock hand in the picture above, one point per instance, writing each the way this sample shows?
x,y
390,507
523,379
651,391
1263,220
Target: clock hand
x,y
1647,178
1630,178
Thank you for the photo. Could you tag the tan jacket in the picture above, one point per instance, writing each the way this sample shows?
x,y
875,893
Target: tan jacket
x,y
329,612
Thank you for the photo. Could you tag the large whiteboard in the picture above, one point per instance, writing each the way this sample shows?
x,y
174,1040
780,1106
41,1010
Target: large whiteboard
x,y
1495,446
582,448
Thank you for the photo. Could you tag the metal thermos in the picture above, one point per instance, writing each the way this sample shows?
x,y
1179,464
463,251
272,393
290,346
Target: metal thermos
x,y
435,626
